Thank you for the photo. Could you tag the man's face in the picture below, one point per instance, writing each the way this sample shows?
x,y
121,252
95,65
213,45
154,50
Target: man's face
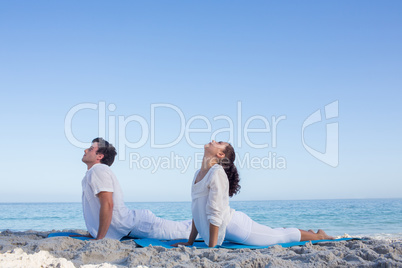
x,y
90,156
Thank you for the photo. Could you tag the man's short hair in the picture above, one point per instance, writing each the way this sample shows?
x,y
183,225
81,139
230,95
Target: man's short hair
x,y
107,149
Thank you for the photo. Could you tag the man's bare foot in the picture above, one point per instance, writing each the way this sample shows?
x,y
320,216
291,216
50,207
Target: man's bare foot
x,y
324,236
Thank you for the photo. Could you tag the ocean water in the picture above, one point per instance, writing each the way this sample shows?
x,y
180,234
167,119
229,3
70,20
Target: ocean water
x,y
356,217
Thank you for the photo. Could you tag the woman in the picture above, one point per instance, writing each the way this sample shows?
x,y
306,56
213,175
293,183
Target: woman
x,y
214,220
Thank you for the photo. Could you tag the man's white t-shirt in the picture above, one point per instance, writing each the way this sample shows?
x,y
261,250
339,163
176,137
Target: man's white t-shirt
x,y
100,178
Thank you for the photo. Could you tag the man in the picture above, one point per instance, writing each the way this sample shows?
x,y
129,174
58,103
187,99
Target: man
x,y
104,210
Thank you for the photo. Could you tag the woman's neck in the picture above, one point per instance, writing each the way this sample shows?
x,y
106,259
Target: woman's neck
x,y
208,162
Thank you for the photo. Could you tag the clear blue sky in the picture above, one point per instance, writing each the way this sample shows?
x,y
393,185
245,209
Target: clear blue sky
x,y
273,58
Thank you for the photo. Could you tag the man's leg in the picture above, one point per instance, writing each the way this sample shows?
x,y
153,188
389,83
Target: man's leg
x,y
170,230
150,226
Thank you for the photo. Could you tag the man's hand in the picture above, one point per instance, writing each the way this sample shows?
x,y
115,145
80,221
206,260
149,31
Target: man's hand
x,y
181,243
105,213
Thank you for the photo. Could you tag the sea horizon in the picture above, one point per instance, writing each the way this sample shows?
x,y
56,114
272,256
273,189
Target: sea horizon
x,y
246,200
375,217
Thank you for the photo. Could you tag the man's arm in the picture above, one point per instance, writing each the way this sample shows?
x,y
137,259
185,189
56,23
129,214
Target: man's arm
x,y
105,213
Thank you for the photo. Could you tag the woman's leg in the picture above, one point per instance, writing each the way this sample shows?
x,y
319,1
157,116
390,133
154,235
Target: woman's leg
x,y
262,235
243,230
239,228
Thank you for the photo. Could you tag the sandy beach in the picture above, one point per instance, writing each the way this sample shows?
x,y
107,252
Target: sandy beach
x,y
34,249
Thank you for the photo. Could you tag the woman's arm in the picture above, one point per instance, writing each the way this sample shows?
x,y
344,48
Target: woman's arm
x,y
213,235
193,233
218,191
192,237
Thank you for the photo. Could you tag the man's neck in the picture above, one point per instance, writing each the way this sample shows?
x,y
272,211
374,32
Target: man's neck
x,y
89,166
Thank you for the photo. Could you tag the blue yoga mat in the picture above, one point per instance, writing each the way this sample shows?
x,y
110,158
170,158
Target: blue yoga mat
x,y
80,237
200,244
145,242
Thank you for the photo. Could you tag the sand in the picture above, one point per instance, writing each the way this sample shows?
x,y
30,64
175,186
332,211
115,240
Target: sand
x,y
33,249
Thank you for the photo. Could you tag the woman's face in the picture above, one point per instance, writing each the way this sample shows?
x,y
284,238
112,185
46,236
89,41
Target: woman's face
x,y
215,148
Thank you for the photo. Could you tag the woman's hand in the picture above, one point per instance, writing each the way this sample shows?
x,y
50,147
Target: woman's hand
x,y
191,239
182,243
78,235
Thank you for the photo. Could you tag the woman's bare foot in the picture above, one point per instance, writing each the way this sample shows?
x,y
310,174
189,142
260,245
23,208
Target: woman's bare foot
x,y
324,236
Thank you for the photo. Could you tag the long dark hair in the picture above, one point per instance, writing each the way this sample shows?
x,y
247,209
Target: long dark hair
x,y
231,171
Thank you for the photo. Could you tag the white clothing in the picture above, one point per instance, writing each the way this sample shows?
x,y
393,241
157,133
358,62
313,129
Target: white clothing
x,y
137,223
150,226
210,202
100,178
244,230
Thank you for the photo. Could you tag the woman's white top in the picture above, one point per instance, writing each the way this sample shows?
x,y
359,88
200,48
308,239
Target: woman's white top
x,y
210,203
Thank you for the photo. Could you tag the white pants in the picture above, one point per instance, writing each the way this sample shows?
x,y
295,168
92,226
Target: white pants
x,y
149,226
243,230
